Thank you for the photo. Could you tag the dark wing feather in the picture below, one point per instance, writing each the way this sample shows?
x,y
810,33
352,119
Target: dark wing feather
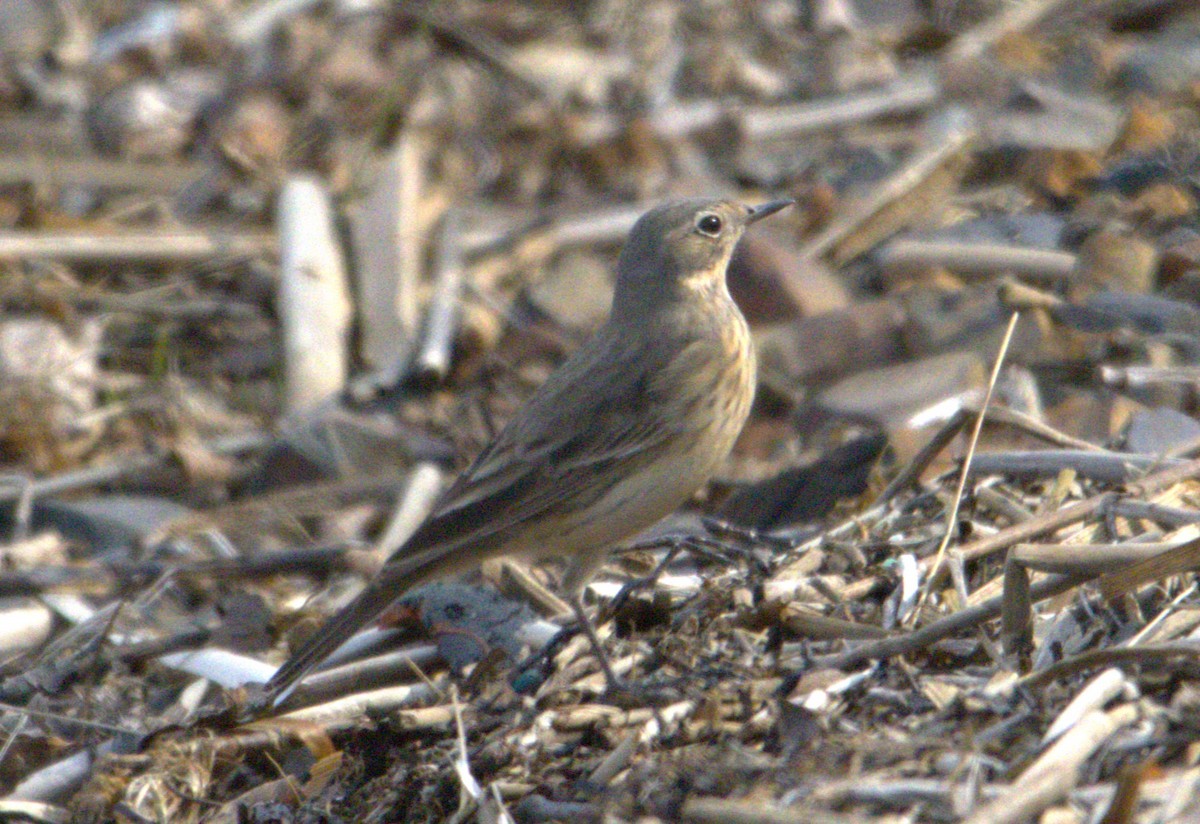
x,y
557,453
546,459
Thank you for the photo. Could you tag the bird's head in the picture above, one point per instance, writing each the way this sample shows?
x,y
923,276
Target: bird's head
x,y
680,248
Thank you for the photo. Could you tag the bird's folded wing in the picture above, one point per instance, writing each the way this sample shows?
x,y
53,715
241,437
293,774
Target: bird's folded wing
x,y
495,496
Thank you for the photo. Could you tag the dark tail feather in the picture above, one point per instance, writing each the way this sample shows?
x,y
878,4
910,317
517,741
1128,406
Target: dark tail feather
x,y
335,632
397,577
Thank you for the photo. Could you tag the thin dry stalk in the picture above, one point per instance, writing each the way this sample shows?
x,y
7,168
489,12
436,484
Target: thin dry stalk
x,y
935,568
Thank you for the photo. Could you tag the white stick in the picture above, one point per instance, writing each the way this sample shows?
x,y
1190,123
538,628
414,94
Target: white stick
x,y
390,249
314,299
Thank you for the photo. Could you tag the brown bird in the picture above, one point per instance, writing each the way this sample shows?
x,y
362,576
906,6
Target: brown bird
x,y
626,430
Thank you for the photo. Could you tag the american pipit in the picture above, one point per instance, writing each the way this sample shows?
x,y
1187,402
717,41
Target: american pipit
x,y
626,430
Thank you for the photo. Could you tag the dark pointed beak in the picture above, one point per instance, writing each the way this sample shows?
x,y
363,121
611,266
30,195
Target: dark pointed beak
x,y
768,209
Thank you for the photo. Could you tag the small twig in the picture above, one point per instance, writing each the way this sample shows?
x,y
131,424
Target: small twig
x,y
1099,691
96,172
1057,770
626,591
314,295
1039,429
905,93
952,516
58,779
349,711
985,259
1171,517
987,498
58,718
947,140
945,627
921,461
503,816
420,491
1173,561
1113,656
701,810
22,720
360,676
23,514
167,246
1141,377
139,651
1092,559
1073,513
1103,467
471,792
119,469
711,549
600,225
441,321
476,42
615,761
1010,19
390,253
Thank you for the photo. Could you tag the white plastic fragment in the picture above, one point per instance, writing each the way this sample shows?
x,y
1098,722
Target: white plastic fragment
x,y
55,781
220,666
24,624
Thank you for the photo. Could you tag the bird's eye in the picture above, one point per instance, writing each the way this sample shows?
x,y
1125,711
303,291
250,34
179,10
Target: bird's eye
x,y
710,225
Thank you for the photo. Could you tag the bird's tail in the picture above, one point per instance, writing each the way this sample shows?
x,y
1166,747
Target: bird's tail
x,y
364,609
397,577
